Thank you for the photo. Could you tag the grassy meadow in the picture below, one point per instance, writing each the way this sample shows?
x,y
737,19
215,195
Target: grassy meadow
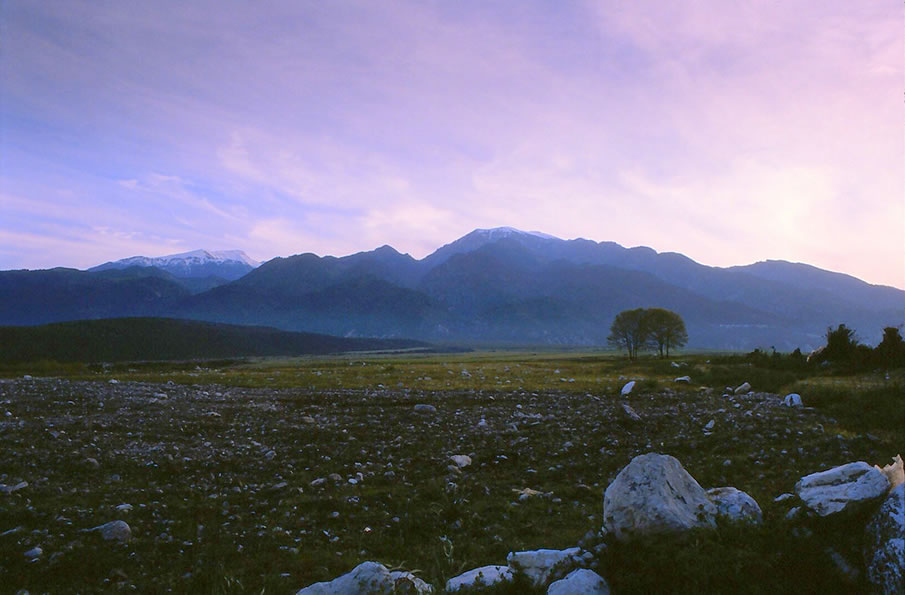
x,y
267,475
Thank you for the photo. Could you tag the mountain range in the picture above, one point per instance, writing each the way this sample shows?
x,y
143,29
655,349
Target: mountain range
x,y
492,286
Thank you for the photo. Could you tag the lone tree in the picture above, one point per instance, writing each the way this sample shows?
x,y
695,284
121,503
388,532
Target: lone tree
x,y
666,328
636,329
629,332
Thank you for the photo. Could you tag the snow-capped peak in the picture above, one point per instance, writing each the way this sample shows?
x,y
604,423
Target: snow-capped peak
x,y
229,264
496,233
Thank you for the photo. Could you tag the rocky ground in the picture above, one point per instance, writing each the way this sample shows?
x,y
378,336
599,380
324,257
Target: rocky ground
x,y
230,489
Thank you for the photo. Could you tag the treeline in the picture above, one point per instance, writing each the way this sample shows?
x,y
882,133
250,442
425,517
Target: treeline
x,y
843,352
159,339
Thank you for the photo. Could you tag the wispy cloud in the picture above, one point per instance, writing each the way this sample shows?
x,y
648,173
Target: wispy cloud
x,y
731,132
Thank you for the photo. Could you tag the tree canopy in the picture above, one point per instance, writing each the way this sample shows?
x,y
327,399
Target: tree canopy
x,y
658,328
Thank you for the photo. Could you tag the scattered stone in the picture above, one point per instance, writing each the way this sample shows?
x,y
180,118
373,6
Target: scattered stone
x,y
124,508
270,454
580,582
369,578
461,461
792,400
709,426
630,413
654,494
735,504
894,472
685,379
318,482
483,576
783,497
425,408
884,544
34,553
114,531
5,489
842,488
627,388
537,565
742,388
92,462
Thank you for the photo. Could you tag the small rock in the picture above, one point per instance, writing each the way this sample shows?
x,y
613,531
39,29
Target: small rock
x,y
580,582
5,489
318,482
483,576
709,425
627,388
630,413
425,408
92,462
114,531
461,461
792,400
34,552
124,508
538,564
685,379
735,505
742,388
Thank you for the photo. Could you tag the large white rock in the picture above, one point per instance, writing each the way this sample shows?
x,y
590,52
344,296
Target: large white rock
x,y
735,505
884,544
538,564
369,578
627,388
655,494
580,582
841,488
792,400
460,460
483,576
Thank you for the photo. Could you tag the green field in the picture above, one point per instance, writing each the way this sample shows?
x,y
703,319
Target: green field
x,y
187,446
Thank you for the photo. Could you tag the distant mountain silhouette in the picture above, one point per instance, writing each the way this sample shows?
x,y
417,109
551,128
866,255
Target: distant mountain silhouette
x,y
490,286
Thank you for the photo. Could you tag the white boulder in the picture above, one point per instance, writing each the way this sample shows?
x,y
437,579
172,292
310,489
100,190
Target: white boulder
x,y
742,388
654,494
884,544
735,504
841,488
539,564
580,582
792,400
369,578
484,576
627,388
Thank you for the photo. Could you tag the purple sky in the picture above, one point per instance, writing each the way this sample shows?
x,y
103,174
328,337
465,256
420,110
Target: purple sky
x,y
729,131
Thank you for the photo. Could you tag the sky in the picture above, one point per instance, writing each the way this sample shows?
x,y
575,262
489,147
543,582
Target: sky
x,y
731,132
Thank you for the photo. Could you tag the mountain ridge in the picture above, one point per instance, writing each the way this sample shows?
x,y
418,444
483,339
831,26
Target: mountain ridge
x,y
491,285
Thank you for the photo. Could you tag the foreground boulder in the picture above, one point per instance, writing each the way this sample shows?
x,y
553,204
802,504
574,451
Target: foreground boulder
x,y
842,488
654,494
369,578
884,544
484,576
581,581
538,565
735,505
792,400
